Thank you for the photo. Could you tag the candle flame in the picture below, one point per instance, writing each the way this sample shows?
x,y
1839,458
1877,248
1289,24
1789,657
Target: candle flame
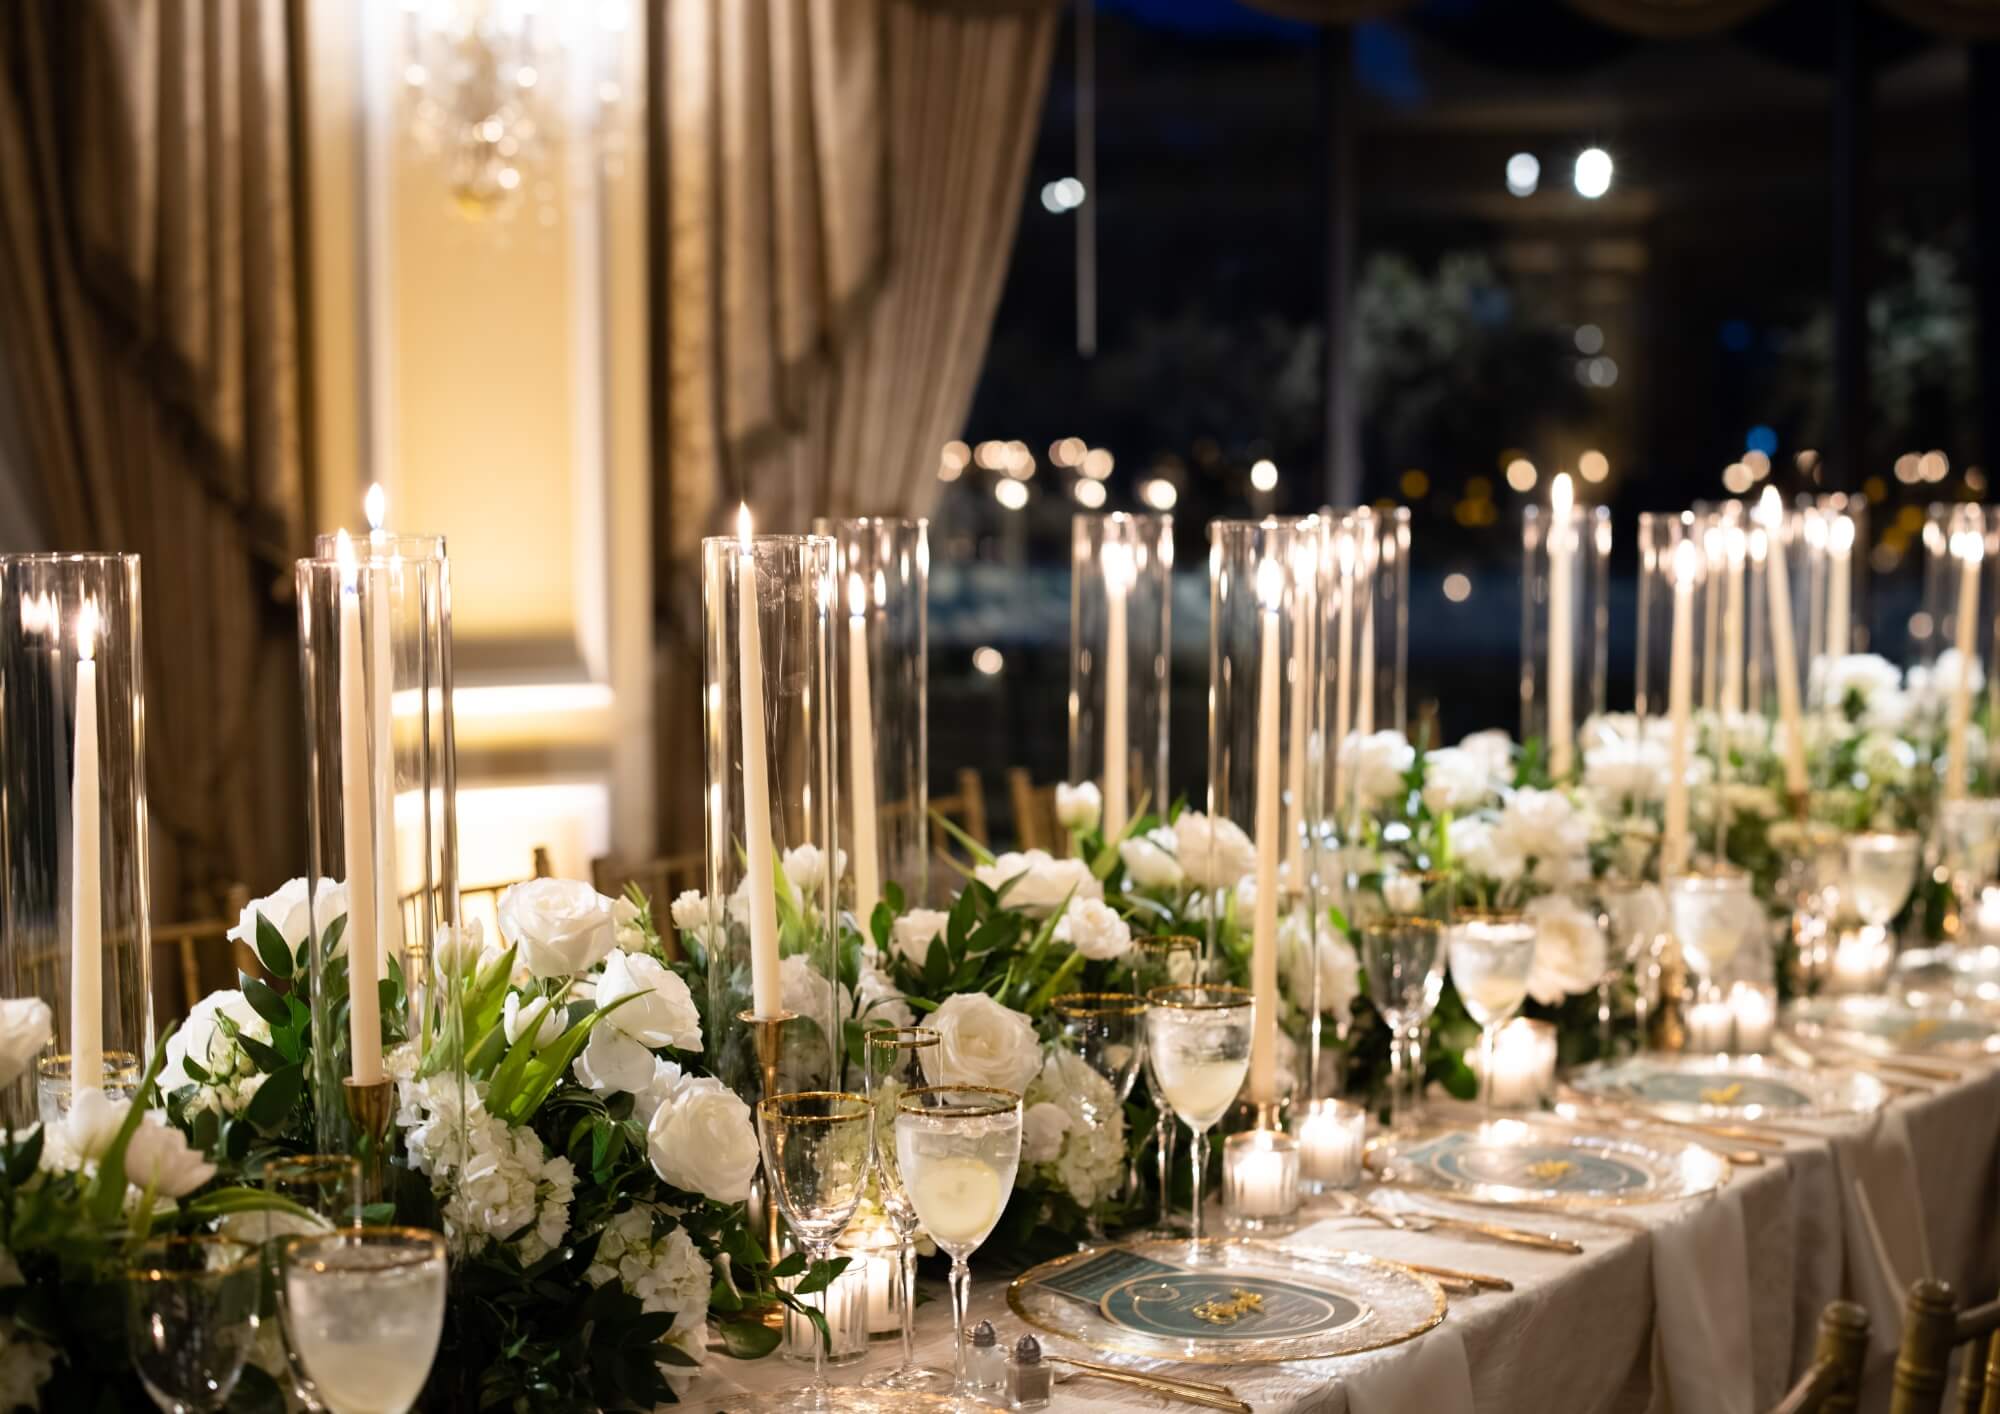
x,y
857,595
375,505
743,524
1687,563
1271,585
86,630
1117,561
1770,508
343,551
1840,536
1561,496
1968,545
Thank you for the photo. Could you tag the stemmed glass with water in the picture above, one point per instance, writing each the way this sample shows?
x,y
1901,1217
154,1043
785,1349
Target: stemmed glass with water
x,y
1491,955
898,1060
1107,1031
1881,873
363,1310
1162,960
191,1317
1633,915
1404,957
957,1151
1198,1038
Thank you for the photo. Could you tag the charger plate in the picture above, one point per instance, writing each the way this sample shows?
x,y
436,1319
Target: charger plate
x,y
1949,972
1729,1087
1228,1301
1893,1025
1549,1162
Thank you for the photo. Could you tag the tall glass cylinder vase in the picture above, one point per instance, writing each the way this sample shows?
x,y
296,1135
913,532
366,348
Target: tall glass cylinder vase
x,y
1565,622
1846,615
1121,639
1786,567
769,605
74,925
1262,731
1382,620
382,822
1957,693
1681,617
881,686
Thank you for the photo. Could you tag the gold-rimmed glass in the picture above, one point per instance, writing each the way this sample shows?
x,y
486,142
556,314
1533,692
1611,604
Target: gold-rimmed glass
x,y
1160,960
191,1318
1712,914
1403,955
364,1308
1107,1031
1389,886
897,1060
1199,1039
1632,913
1491,954
818,1147
328,1188
958,1149
1881,873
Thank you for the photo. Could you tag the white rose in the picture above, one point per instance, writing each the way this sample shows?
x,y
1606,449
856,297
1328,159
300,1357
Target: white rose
x,y
1543,832
201,1038
1859,675
1495,749
692,910
1887,759
1374,765
911,934
805,867
159,1157
1213,852
1041,883
1476,849
1042,1130
982,1043
664,1085
1079,807
613,1063
1331,956
802,991
563,927
286,910
1627,769
26,1026
879,1001
1094,929
662,1010
1149,860
1569,949
1455,779
518,1016
703,1141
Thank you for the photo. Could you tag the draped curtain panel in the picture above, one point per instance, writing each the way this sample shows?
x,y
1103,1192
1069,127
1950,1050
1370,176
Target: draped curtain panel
x,y
1675,19
842,181
151,350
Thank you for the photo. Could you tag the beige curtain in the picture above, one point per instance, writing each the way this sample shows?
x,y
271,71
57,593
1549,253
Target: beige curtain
x,y
149,339
841,184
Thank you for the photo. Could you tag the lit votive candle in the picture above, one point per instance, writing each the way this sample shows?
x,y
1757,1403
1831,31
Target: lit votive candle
x,y
1524,1064
1710,1024
872,1246
1753,1008
1260,1179
1861,961
1332,1135
844,1303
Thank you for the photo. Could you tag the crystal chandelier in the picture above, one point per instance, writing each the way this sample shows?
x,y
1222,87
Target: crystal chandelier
x,y
495,90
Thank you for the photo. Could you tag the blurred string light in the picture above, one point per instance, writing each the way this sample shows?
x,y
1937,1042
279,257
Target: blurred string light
x,y
990,455
953,460
1264,474
1593,466
1065,194
1097,463
1020,462
1067,451
1736,478
1159,493
1759,464
1593,173
1089,494
1599,372
1457,587
1589,339
1011,493
1521,475
1933,466
1415,484
987,660
1524,174
1906,468
1761,438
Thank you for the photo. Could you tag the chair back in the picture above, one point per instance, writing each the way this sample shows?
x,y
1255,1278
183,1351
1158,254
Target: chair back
x,y
1035,823
1933,1327
660,880
1833,1384
185,946
965,808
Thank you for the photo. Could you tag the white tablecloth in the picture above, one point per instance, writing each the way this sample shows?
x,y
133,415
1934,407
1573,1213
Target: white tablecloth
x,y
1711,1309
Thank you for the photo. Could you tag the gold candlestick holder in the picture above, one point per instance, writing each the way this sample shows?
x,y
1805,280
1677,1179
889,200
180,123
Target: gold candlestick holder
x,y
371,1105
767,1037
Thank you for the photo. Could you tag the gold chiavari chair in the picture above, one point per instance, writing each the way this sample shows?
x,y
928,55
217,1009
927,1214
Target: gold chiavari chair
x,y
186,944
965,808
661,880
1035,824
1933,1327
1833,1384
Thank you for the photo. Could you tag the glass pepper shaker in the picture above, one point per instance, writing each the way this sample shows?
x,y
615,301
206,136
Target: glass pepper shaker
x,y
985,1361
1029,1381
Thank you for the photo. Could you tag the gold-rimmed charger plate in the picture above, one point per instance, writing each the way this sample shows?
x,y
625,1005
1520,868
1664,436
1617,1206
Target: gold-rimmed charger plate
x,y
1891,1026
1698,1088
1547,1161
1321,1304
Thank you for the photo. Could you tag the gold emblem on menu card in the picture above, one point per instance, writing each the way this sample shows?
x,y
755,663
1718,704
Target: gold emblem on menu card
x,y
1920,1030
1724,1095
1227,1313
1549,1170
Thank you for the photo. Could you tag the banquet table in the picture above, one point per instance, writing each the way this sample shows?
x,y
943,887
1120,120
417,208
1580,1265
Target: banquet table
x,y
1706,1306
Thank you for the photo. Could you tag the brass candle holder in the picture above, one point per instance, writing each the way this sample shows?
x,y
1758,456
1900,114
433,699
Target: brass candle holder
x,y
371,1105
767,1038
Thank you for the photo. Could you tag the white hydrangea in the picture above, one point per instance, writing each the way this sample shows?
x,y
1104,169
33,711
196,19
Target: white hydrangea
x,y
495,1179
1495,751
666,1273
1539,832
693,911
1090,1161
232,1076
876,997
1627,769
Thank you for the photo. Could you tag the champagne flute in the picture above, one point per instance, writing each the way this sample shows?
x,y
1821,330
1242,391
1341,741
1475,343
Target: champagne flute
x,y
818,1147
1160,960
1199,1039
190,1318
958,1148
1404,958
1491,956
1881,873
897,1060
328,1187
364,1308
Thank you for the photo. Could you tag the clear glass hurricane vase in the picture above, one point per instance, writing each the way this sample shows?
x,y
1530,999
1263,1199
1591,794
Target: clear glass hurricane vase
x,y
1121,627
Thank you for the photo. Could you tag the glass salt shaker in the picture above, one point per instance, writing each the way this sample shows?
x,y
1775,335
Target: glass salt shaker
x,y
985,1361
1029,1381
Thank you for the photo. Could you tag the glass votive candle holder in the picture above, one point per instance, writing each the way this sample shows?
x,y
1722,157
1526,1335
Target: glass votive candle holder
x,y
1332,1135
53,1085
1260,1180
844,1303
1862,961
1524,1064
872,1247
1711,1025
1753,1010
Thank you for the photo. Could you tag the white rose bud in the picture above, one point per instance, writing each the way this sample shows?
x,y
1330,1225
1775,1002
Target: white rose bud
x,y
563,927
703,1141
1079,807
1149,860
982,1043
519,1015
662,1010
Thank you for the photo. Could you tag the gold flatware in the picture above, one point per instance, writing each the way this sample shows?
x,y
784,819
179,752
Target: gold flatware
x,y
1187,1394
1932,1073
1475,1281
1207,1386
1422,1222
1771,1138
1600,1217
1703,1136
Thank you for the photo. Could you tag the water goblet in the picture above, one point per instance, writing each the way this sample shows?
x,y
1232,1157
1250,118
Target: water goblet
x,y
1711,915
1491,957
1198,1038
1161,960
897,1060
818,1150
1107,1031
328,1188
958,1148
363,1309
1881,873
1633,915
1404,958
190,1318
1969,848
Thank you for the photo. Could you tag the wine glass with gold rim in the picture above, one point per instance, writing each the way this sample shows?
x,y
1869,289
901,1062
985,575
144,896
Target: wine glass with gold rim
x,y
1199,1037
897,1060
364,1309
1491,953
1160,960
191,1317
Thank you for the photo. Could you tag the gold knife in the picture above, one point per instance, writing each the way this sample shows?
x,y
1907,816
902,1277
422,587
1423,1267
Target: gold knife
x,y
1187,1394
1471,1280
1208,1386
1519,1237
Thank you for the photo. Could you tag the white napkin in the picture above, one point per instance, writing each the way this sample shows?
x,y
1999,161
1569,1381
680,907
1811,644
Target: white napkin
x,y
1701,1295
1429,1373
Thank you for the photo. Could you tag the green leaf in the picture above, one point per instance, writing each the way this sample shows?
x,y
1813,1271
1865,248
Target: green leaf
x,y
972,846
268,1058
821,1276
275,1099
749,1339
272,950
